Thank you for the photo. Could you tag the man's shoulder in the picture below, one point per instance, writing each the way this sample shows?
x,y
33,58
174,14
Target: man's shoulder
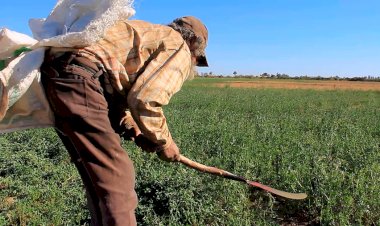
x,y
141,24
159,29
136,26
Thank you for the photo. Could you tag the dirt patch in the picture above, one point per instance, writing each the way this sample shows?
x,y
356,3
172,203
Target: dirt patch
x,y
318,85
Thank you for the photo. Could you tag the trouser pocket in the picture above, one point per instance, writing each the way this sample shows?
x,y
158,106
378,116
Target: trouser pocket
x,y
68,97
72,90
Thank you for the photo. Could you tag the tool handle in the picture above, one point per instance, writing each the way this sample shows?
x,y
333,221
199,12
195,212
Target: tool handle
x,y
208,169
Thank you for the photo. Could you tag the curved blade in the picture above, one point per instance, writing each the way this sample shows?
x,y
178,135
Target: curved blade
x,y
222,173
278,192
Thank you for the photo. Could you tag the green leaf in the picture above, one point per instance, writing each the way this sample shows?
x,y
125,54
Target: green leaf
x,y
17,52
2,64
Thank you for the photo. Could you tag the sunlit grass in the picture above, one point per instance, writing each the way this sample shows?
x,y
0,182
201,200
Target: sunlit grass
x,y
324,143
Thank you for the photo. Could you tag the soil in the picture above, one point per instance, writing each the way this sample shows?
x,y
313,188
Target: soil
x,y
317,85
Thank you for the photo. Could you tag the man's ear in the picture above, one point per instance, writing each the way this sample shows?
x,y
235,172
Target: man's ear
x,y
195,43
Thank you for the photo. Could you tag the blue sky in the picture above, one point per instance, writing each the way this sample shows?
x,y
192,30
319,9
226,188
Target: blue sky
x,y
296,37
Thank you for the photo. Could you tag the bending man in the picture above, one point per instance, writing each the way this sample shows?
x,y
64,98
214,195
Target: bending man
x,y
114,88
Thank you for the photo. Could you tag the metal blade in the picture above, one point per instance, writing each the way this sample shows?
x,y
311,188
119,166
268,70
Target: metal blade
x,y
284,194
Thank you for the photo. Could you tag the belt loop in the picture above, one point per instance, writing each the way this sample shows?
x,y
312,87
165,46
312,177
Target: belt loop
x,y
97,74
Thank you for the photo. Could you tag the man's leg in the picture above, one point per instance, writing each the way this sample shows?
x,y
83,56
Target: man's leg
x,y
110,170
82,115
92,198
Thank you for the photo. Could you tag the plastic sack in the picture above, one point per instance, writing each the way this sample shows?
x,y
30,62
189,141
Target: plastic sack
x,y
17,77
72,23
10,41
78,23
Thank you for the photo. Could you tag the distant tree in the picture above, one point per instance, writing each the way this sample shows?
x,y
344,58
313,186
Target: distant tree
x,y
265,75
283,76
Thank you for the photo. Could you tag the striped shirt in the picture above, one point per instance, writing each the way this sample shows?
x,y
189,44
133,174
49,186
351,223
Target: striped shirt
x,y
147,63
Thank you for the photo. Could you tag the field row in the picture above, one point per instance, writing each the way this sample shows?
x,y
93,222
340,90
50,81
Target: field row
x,y
293,84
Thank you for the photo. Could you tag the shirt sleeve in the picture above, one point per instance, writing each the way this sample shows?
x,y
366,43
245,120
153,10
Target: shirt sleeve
x,y
162,77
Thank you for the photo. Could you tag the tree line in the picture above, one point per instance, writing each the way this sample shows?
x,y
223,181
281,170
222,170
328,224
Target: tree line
x,y
286,76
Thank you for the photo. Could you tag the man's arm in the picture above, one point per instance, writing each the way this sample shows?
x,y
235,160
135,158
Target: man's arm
x,y
163,77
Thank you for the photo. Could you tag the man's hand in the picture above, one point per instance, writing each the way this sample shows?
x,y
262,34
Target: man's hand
x,y
132,132
145,144
130,129
170,153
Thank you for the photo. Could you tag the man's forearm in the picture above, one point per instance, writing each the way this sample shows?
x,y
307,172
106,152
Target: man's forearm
x,y
131,131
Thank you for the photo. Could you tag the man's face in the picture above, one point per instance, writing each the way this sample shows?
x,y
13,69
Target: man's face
x,y
197,48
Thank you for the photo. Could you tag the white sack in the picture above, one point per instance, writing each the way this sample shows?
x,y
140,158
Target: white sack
x,y
11,41
79,22
72,23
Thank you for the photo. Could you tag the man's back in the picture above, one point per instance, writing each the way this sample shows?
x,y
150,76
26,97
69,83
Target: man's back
x,y
129,46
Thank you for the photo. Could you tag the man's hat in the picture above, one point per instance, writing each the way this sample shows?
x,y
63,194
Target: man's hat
x,y
200,31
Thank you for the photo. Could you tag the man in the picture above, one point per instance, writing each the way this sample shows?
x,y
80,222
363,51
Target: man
x,y
117,87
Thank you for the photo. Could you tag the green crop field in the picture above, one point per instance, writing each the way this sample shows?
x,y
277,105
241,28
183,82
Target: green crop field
x,y
324,143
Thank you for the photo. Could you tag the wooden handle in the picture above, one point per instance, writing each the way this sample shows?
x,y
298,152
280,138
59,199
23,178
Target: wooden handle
x,y
211,170
200,167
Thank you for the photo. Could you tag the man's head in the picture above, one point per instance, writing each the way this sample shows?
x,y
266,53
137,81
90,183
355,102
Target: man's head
x,y
195,34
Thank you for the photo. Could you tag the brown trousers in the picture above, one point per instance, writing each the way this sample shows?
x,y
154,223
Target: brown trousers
x,y
83,124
